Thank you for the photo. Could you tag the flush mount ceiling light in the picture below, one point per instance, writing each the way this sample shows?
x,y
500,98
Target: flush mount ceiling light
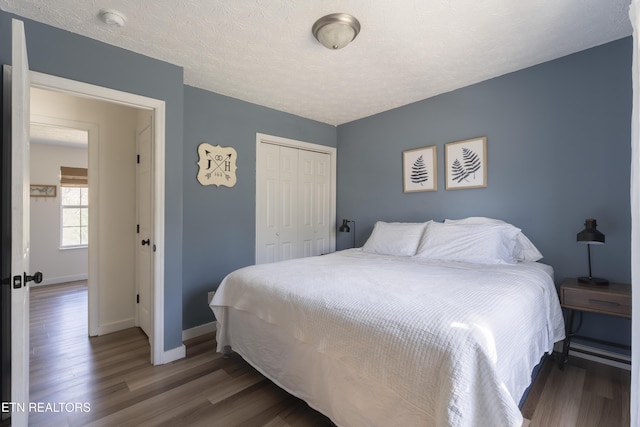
x,y
337,30
113,17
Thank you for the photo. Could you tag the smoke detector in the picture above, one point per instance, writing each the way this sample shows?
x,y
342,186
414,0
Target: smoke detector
x,y
113,17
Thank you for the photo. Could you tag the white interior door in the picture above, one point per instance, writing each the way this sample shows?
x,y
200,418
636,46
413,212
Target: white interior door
x,y
288,238
145,241
314,193
268,169
19,225
277,203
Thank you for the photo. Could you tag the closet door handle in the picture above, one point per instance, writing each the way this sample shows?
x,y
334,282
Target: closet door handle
x,y
146,242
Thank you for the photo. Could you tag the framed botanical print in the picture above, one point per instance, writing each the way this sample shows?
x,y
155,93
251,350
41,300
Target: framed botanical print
x,y
419,170
42,190
466,164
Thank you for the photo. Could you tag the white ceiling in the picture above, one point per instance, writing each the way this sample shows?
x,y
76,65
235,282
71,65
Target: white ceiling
x,y
262,51
58,135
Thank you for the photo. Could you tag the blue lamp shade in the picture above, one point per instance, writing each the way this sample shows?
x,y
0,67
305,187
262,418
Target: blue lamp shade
x,y
591,236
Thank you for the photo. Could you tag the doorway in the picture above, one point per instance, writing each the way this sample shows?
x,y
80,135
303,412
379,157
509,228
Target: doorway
x,y
60,224
108,312
58,218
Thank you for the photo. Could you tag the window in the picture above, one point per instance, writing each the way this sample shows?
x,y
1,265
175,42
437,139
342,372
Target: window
x,y
74,208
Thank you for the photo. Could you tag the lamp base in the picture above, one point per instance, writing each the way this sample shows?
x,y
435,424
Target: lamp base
x,y
593,281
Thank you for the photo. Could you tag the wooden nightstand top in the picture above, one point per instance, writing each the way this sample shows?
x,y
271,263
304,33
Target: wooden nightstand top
x,y
614,299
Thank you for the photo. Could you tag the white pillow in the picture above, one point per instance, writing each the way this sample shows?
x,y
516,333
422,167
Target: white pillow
x,y
524,249
395,238
489,244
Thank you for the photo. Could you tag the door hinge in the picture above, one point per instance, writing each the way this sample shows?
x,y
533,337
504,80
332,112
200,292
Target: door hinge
x,y
138,158
138,228
137,298
154,247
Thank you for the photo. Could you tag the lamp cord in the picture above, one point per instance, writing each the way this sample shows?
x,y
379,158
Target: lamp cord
x,y
354,234
589,253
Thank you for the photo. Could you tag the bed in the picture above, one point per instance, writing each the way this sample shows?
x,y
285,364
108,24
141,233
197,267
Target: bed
x,y
416,328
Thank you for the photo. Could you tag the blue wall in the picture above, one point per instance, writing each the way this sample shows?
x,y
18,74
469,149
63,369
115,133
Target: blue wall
x,y
558,142
61,53
219,222
558,152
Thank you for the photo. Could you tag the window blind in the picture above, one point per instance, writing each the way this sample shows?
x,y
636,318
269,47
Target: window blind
x,y
73,177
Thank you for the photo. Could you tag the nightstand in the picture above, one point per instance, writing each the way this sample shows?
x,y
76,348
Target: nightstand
x,y
611,300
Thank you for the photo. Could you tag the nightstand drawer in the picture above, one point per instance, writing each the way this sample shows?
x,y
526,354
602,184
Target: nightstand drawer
x,y
613,300
601,302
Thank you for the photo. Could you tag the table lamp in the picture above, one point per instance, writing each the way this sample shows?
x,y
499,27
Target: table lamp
x,y
591,236
344,228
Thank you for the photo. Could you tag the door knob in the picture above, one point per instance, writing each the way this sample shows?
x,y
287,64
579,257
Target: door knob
x,y
37,278
146,242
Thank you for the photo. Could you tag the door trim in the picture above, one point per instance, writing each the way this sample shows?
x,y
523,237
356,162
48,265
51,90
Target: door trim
x,y
262,138
49,82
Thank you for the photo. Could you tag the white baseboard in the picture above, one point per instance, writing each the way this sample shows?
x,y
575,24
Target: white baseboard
x,y
108,328
187,334
180,352
196,331
603,360
174,354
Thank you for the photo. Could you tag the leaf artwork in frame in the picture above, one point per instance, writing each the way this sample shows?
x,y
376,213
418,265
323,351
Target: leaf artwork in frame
x,y
42,190
419,170
466,164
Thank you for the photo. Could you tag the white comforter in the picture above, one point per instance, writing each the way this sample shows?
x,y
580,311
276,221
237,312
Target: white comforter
x,y
456,341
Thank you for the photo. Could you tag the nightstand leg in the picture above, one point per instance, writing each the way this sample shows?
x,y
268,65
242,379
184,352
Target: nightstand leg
x,y
567,339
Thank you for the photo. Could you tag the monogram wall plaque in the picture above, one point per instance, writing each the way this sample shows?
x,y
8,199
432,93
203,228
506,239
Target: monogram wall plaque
x,y
217,165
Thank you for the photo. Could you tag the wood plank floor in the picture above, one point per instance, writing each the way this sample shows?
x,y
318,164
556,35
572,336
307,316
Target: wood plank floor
x,y
113,383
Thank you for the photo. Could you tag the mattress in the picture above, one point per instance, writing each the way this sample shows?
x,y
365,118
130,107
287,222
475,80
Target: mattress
x,y
381,340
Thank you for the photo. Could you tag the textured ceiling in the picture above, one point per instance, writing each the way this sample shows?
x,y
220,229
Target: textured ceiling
x,y
262,51
58,135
